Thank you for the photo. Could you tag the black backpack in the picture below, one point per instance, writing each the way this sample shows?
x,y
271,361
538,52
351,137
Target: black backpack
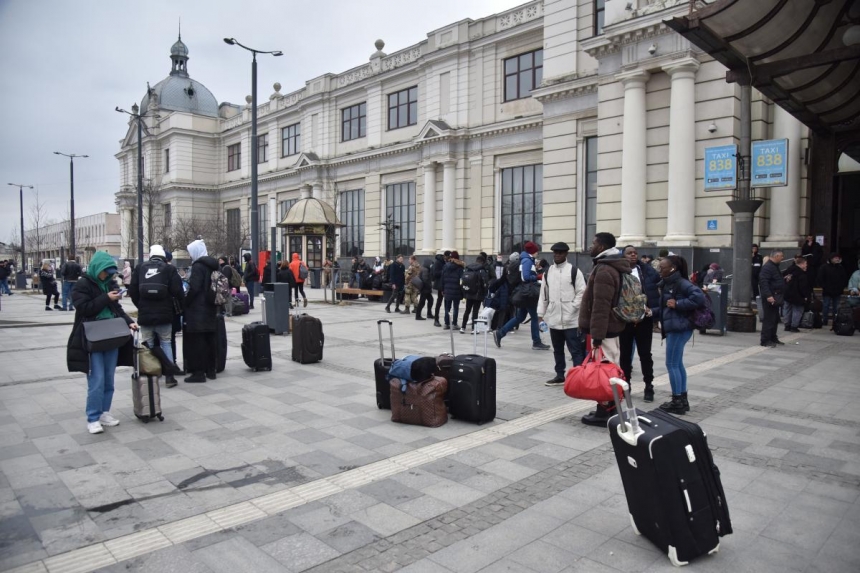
x,y
573,271
843,324
472,281
154,280
515,276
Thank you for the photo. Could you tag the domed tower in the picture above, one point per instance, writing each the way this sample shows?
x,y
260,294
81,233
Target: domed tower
x,y
178,92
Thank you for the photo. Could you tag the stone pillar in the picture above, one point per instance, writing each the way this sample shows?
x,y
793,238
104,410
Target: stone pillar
x,y
318,191
305,192
633,157
429,242
784,203
681,218
449,211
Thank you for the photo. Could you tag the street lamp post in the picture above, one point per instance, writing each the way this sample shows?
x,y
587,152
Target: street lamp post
x,y
71,157
135,113
255,222
21,197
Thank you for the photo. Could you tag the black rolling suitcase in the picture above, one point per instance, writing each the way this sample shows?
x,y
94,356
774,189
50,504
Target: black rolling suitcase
x,y
381,366
472,385
256,350
673,488
308,339
221,334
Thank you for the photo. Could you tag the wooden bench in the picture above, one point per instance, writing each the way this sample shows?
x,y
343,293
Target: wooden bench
x,y
360,291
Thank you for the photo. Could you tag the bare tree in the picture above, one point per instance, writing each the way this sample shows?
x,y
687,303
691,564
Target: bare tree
x,y
15,244
219,239
38,222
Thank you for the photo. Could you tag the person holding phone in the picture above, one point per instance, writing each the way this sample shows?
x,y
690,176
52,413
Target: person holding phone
x,y
94,299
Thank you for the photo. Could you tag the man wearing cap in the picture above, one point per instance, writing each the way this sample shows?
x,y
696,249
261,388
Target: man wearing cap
x,y
154,287
528,274
558,305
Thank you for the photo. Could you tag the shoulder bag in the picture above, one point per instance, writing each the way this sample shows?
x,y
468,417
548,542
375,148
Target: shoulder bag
x,y
104,335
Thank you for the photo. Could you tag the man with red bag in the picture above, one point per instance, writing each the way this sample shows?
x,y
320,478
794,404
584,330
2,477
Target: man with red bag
x,y
596,315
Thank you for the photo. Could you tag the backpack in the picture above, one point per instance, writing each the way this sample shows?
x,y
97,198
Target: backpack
x,y
515,276
631,301
472,281
703,317
303,271
843,324
573,271
219,289
235,278
153,280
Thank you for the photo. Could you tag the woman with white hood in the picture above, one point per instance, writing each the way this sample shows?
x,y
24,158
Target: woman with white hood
x,y
199,341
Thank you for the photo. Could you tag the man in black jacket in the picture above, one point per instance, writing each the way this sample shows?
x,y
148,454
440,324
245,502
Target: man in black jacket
x,y
252,278
438,265
832,279
641,333
772,287
70,273
155,289
396,276
5,272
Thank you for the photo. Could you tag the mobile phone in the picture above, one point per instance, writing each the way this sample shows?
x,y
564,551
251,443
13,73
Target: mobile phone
x,y
122,291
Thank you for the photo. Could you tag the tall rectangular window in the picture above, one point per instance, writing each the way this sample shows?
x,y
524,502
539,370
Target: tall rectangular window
x,y
284,208
352,215
522,207
523,73
400,212
234,227
263,148
234,157
403,108
262,216
291,139
354,121
590,189
167,160
167,215
599,15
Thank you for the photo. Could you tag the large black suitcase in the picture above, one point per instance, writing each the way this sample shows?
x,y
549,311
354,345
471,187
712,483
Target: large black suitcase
x,y
381,366
843,324
472,384
308,339
221,334
673,488
256,350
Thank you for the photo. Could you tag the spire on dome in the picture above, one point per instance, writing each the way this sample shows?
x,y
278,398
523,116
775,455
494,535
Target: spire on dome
x,y
179,56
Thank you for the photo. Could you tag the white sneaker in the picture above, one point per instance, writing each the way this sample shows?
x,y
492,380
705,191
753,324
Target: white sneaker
x,y
107,420
95,427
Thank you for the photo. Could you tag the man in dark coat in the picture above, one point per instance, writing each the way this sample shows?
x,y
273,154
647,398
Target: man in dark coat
x,y
641,333
595,314
438,266
772,287
798,293
70,272
251,276
396,278
757,262
426,276
832,279
452,272
199,341
154,289
814,253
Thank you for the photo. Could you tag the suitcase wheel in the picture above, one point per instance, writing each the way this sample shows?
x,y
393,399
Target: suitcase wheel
x,y
145,419
633,524
160,418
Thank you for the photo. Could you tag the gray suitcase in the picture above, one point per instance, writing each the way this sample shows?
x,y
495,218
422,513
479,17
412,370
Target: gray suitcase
x,y
145,391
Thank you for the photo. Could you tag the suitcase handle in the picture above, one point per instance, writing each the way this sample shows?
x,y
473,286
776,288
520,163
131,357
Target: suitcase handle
x,y
630,436
451,332
486,333
379,324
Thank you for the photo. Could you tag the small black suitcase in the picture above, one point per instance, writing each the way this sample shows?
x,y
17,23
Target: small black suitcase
x,y
673,488
381,366
308,339
221,333
472,384
256,350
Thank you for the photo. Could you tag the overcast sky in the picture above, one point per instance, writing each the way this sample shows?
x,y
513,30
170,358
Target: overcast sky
x,y
65,65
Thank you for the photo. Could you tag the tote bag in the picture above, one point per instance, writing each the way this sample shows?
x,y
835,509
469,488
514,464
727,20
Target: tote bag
x,y
590,380
104,335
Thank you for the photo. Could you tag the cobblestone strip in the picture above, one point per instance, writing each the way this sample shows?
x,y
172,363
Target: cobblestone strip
x,y
413,544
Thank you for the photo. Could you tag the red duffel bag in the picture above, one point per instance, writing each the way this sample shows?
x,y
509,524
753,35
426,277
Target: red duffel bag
x,y
590,380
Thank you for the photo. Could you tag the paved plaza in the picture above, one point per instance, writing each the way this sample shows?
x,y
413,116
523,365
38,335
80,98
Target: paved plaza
x,y
297,470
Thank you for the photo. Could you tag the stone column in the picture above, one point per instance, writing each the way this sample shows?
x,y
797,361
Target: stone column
x,y
449,211
305,192
784,203
681,217
318,191
633,172
429,242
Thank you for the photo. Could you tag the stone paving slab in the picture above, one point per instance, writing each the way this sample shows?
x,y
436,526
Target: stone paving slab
x,y
544,499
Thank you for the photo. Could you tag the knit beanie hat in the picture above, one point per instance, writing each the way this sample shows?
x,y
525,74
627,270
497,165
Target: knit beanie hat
x,y
455,255
530,248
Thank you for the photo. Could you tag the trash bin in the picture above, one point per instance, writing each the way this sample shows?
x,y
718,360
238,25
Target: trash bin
x,y
21,281
277,308
720,307
314,275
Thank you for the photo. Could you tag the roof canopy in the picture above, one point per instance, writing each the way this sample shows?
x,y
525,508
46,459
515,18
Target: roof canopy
x,y
311,211
795,52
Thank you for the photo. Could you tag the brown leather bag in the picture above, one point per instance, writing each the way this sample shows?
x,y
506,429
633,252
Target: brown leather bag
x,y
423,403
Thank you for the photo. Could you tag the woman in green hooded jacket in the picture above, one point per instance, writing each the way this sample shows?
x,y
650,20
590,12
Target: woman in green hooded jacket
x,y
94,300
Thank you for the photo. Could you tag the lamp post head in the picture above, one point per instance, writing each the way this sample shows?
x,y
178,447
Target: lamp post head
x,y
56,153
135,109
277,53
230,41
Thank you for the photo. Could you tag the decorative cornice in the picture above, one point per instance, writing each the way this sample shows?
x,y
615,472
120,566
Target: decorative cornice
x,y
613,40
565,87
519,16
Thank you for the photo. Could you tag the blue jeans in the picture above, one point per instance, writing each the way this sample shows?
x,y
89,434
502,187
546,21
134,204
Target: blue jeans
x,y
791,314
456,304
675,342
100,383
522,313
252,290
165,336
830,302
67,295
575,346
4,286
